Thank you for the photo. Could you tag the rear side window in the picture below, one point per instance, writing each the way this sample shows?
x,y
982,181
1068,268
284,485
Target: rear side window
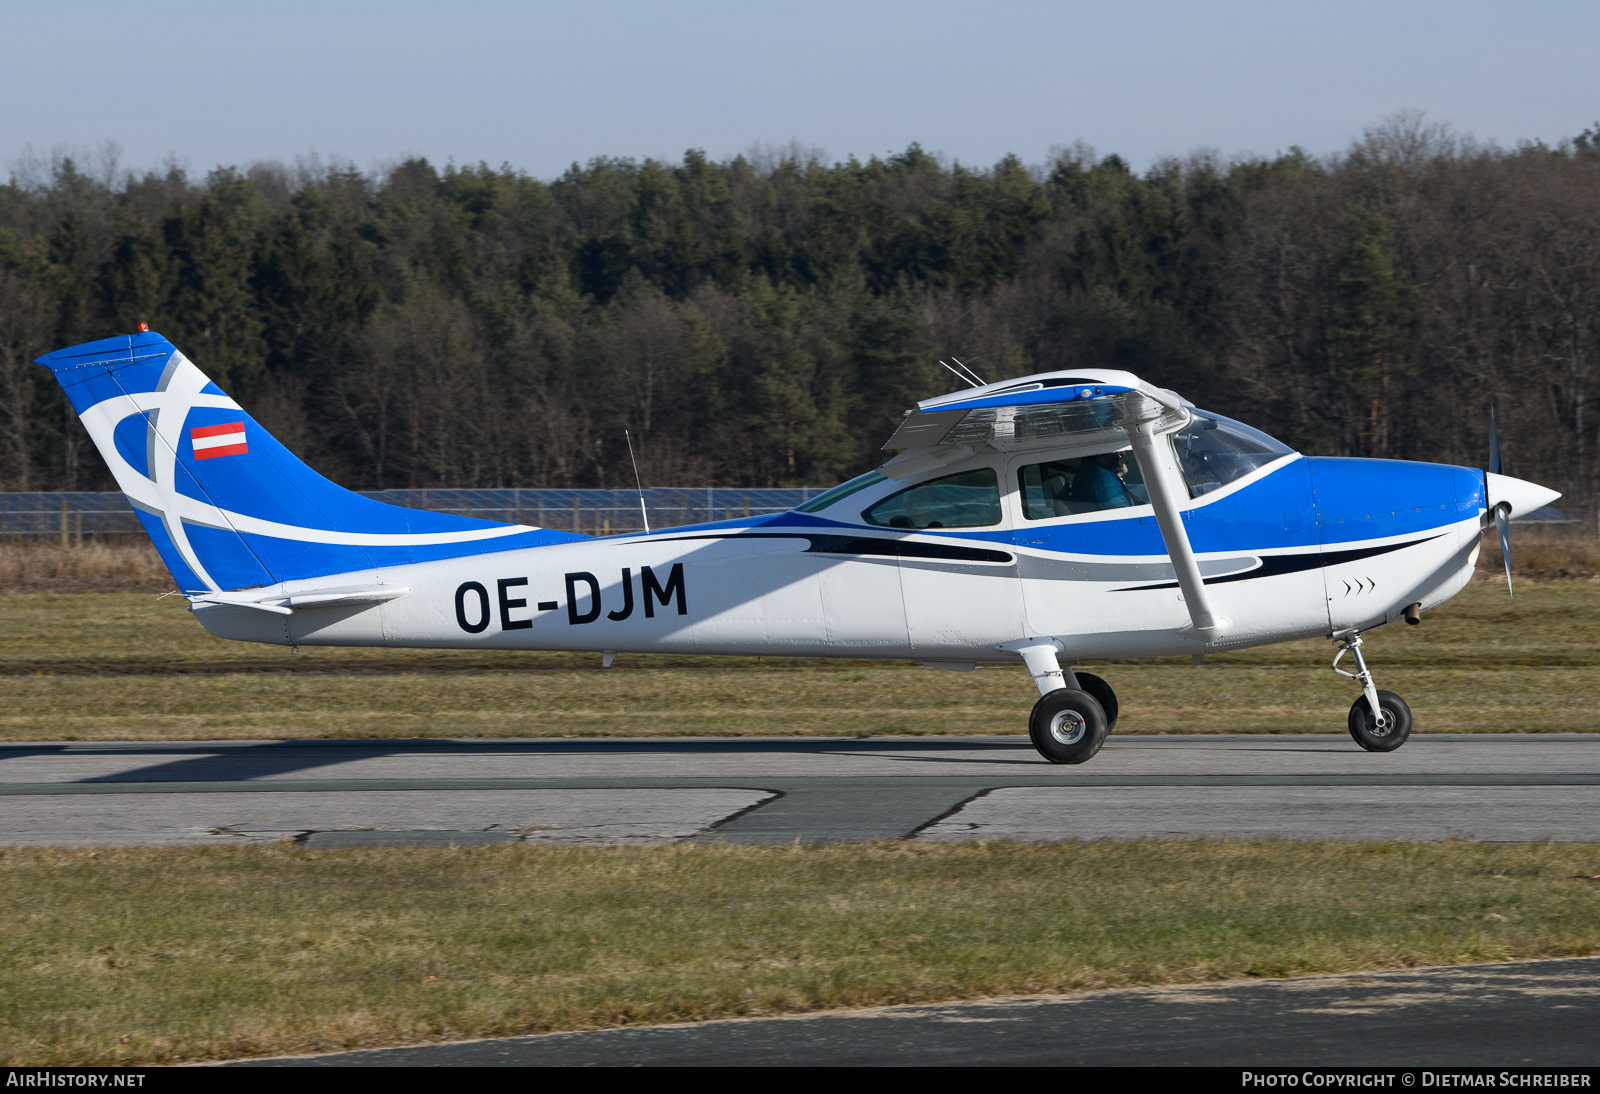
x,y
1083,484
1213,451
843,490
968,500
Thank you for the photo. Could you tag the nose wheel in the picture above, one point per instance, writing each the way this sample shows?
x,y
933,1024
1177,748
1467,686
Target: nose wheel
x,y
1384,736
1380,721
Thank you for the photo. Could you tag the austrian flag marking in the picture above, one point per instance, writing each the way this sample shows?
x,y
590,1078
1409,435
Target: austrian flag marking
x,y
218,440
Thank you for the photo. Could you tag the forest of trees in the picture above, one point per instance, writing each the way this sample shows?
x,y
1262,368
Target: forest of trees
x,y
765,320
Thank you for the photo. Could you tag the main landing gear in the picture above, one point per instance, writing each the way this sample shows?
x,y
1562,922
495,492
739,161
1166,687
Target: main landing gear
x,y
1075,711
1067,726
1380,721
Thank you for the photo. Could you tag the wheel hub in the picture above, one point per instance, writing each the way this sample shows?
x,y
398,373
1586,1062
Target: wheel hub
x,y
1067,727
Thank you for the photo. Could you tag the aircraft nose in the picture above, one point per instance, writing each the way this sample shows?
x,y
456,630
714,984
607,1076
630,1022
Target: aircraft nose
x,y
1523,496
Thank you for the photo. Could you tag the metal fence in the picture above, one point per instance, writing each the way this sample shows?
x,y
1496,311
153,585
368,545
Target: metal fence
x,y
595,512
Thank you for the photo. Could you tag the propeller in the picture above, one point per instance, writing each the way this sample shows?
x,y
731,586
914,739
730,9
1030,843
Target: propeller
x,y
1502,513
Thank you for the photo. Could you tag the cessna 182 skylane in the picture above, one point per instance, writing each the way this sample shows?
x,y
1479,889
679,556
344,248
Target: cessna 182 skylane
x,y
1046,520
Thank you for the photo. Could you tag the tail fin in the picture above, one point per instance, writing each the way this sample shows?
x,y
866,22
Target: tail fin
x,y
226,504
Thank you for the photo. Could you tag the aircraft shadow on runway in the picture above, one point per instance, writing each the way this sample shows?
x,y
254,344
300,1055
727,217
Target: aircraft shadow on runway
x,y
249,761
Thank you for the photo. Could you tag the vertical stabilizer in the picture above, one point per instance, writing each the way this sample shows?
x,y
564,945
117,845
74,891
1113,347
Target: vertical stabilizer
x,y
226,504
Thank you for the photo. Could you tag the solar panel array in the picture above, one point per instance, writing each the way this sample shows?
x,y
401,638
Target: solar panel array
x,y
593,512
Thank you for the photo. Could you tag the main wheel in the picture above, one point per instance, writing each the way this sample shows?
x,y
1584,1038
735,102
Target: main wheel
x,y
1088,681
1067,726
1396,728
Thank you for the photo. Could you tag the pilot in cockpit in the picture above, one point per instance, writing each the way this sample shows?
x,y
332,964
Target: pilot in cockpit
x,y
1099,481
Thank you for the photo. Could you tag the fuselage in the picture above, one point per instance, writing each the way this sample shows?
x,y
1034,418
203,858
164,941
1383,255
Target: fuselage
x,y
1087,513
1294,548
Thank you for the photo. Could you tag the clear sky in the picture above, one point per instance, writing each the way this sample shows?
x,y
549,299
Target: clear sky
x,y
542,85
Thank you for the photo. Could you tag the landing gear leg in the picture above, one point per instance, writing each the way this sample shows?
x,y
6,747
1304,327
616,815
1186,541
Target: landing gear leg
x,y
1380,721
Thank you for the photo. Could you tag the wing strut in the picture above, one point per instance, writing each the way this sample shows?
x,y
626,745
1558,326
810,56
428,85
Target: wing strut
x,y
1166,487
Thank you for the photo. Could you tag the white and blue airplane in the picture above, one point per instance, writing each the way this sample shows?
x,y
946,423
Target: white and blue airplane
x,y
1047,521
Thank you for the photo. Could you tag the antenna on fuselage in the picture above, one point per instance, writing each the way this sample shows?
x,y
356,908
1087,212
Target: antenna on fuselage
x,y
969,372
637,482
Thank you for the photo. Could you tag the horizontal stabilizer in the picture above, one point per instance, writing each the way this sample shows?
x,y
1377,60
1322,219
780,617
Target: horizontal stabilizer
x,y
288,603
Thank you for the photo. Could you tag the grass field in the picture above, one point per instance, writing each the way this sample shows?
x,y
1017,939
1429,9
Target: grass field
x,y
95,666
162,955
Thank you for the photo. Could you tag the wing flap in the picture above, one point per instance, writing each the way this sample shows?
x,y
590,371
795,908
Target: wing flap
x,y
922,429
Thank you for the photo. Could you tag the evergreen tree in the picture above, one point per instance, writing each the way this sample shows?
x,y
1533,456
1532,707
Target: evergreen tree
x,y
766,319
1375,323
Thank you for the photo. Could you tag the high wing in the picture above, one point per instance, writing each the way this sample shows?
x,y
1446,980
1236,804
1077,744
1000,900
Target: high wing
x,y
1087,407
1046,410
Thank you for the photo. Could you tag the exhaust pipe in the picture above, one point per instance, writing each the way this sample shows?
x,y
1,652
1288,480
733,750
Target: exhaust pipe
x,y
1413,614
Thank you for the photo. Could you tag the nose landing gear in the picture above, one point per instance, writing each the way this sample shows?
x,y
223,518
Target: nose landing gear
x,y
1380,721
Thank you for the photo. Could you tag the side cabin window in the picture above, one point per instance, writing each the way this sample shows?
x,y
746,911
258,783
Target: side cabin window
x,y
1213,451
839,493
1082,484
968,500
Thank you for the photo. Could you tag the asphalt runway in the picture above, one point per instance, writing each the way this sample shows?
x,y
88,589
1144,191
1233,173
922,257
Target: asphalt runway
x,y
778,790
1529,1013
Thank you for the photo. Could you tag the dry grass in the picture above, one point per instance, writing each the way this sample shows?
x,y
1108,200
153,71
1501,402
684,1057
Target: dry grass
x,y
826,702
129,666
114,564
163,955
1543,553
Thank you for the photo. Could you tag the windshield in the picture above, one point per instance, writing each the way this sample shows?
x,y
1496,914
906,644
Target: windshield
x,y
843,490
1214,451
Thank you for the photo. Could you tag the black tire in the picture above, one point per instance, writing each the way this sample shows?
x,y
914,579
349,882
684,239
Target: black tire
x,y
1067,726
1088,681
1364,729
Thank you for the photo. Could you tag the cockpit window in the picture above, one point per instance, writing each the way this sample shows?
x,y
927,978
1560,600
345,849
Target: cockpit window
x,y
1213,451
843,490
968,500
1083,484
